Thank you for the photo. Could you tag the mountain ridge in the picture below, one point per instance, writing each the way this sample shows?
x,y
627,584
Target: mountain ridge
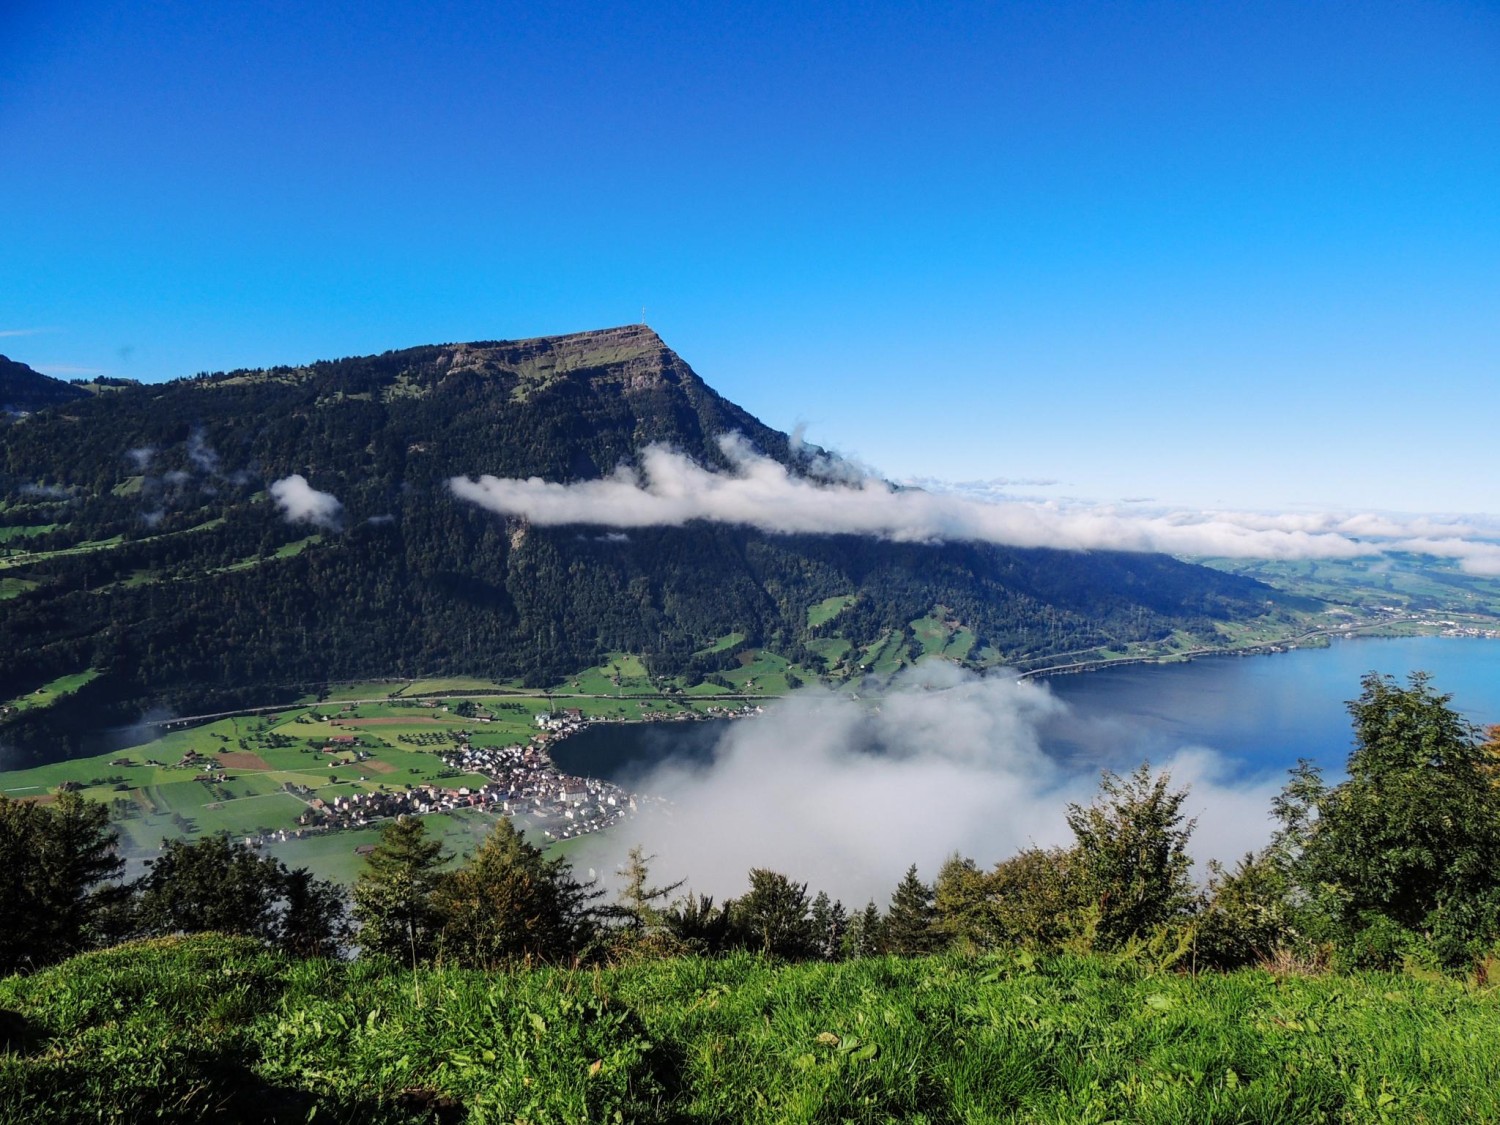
x,y
139,541
23,389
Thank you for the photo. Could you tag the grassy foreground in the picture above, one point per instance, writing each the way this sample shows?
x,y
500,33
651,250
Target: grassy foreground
x,y
210,1028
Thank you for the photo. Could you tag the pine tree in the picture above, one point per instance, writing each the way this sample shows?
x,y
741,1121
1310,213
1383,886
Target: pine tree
x,y
865,936
638,902
57,864
699,926
393,896
910,929
829,923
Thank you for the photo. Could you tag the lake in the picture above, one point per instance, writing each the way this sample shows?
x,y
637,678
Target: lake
x,y
1260,712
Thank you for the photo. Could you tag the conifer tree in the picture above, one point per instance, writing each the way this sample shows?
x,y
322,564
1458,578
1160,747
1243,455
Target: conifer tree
x,y
829,922
865,936
910,928
393,896
57,864
773,916
699,926
638,901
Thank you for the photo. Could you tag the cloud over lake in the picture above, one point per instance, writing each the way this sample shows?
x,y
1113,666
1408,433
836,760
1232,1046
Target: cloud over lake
x,y
846,793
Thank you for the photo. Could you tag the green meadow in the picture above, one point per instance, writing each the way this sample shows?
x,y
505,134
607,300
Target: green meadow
x,y
213,1028
50,693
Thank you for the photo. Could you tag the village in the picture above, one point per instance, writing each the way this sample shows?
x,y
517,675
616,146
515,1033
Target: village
x,y
523,782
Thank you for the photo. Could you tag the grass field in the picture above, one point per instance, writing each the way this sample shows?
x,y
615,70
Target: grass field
x,y
761,673
15,587
883,657
622,674
828,609
211,1027
1407,582
50,693
258,757
728,640
332,855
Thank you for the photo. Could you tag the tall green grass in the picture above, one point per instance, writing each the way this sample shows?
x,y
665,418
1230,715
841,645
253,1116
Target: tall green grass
x,y
216,1029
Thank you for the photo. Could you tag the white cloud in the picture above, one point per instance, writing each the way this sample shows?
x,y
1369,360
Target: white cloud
x,y
201,454
302,503
669,489
846,794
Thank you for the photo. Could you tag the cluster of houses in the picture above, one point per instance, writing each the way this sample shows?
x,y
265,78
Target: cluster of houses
x,y
563,806
522,782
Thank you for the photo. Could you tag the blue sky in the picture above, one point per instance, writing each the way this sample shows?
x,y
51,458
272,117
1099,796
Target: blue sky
x,y
1242,255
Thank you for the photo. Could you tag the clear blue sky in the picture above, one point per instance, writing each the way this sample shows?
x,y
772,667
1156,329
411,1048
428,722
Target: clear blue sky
x,y
1242,254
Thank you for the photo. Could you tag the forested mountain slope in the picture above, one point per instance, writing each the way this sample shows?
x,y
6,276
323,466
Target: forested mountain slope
x,y
138,540
23,390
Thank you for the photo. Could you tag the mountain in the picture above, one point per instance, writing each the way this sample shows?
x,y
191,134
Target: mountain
x,y
23,390
143,557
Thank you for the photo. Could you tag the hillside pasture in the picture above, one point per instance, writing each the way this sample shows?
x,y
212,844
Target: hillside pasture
x,y
827,609
50,693
15,587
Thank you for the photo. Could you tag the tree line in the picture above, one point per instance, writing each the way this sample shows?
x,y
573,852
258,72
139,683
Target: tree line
x,y
1398,864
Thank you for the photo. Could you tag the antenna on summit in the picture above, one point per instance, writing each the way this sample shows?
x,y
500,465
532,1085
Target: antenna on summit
x,y
643,314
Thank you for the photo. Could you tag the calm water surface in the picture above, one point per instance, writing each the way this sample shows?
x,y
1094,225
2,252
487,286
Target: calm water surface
x,y
1261,712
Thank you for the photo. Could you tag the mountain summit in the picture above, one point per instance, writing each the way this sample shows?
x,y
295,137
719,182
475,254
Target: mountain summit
x,y
239,537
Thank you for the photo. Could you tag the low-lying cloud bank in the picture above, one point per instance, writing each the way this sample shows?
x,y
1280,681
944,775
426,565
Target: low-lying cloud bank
x,y
669,489
846,794
300,502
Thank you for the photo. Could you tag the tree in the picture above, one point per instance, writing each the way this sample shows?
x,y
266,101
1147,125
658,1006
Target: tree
x,y
393,896
828,923
210,884
639,916
1249,914
508,903
1406,851
773,916
1131,854
865,935
314,920
699,926
638,900
961,900
910,923
1035,899
215,884
57,866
